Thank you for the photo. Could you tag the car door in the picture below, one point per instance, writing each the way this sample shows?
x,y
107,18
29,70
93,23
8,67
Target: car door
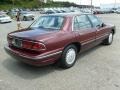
x,y
84,31
101,30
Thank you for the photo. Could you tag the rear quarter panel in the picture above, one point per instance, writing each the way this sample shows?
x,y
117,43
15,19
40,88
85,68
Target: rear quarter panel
x,y
59,41
63,38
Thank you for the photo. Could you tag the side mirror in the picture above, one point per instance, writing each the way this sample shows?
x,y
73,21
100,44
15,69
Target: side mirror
x,y
102,25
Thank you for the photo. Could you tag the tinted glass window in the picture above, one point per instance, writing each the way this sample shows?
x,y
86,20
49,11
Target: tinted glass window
x,y
95,21
48,22
81,22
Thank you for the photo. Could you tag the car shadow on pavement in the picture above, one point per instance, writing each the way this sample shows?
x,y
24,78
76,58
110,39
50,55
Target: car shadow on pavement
x,y
30,72
26,71
83,54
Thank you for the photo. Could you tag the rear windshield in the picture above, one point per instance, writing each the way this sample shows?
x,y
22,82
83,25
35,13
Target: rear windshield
x,y
48,22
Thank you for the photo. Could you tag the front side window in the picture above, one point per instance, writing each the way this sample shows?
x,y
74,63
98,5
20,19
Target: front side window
x,y
81,22
95,21
48,22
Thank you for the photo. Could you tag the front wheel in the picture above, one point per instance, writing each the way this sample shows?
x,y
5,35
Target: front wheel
x,y
25,18
109,40
68,57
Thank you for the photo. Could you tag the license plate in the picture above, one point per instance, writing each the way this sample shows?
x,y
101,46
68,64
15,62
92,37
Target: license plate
x,y
17,42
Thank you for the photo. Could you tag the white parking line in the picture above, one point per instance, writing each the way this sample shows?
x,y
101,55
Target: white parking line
x,y
1,80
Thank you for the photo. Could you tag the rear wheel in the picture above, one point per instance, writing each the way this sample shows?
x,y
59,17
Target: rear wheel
x,y
109,40
32,18
68,57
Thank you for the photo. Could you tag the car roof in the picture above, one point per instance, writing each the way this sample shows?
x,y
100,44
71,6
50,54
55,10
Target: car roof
x,y
67,14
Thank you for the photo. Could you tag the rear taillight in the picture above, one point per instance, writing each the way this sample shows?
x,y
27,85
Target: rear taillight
x,y
37,46
27,44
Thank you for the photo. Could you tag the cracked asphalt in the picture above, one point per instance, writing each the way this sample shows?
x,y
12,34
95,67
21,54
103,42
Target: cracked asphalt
x,y
95,69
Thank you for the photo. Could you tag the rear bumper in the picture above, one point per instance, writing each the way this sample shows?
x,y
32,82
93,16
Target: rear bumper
x,y
39,60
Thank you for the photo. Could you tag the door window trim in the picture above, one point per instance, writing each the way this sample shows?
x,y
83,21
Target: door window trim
x,y
91,20
80,15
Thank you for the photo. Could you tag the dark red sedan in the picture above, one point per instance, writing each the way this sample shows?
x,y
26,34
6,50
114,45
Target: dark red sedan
x,y
58,38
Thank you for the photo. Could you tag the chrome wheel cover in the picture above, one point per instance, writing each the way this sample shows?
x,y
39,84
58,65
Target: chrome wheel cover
x,y
110,39
70,56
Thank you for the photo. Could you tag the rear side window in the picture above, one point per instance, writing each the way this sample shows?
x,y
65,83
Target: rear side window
x,y
81,22
95,21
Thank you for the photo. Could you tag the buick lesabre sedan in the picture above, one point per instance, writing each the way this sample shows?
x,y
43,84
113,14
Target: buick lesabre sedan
x,y
58,38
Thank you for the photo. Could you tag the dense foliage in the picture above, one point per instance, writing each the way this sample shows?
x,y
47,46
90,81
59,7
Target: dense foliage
x,y
8,4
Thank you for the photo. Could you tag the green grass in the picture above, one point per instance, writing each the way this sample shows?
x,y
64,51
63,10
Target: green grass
x,y
5,7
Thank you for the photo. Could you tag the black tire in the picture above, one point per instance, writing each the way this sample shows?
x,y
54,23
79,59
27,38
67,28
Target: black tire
x,y
9,21
32,18
109,40
63,63
25,18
